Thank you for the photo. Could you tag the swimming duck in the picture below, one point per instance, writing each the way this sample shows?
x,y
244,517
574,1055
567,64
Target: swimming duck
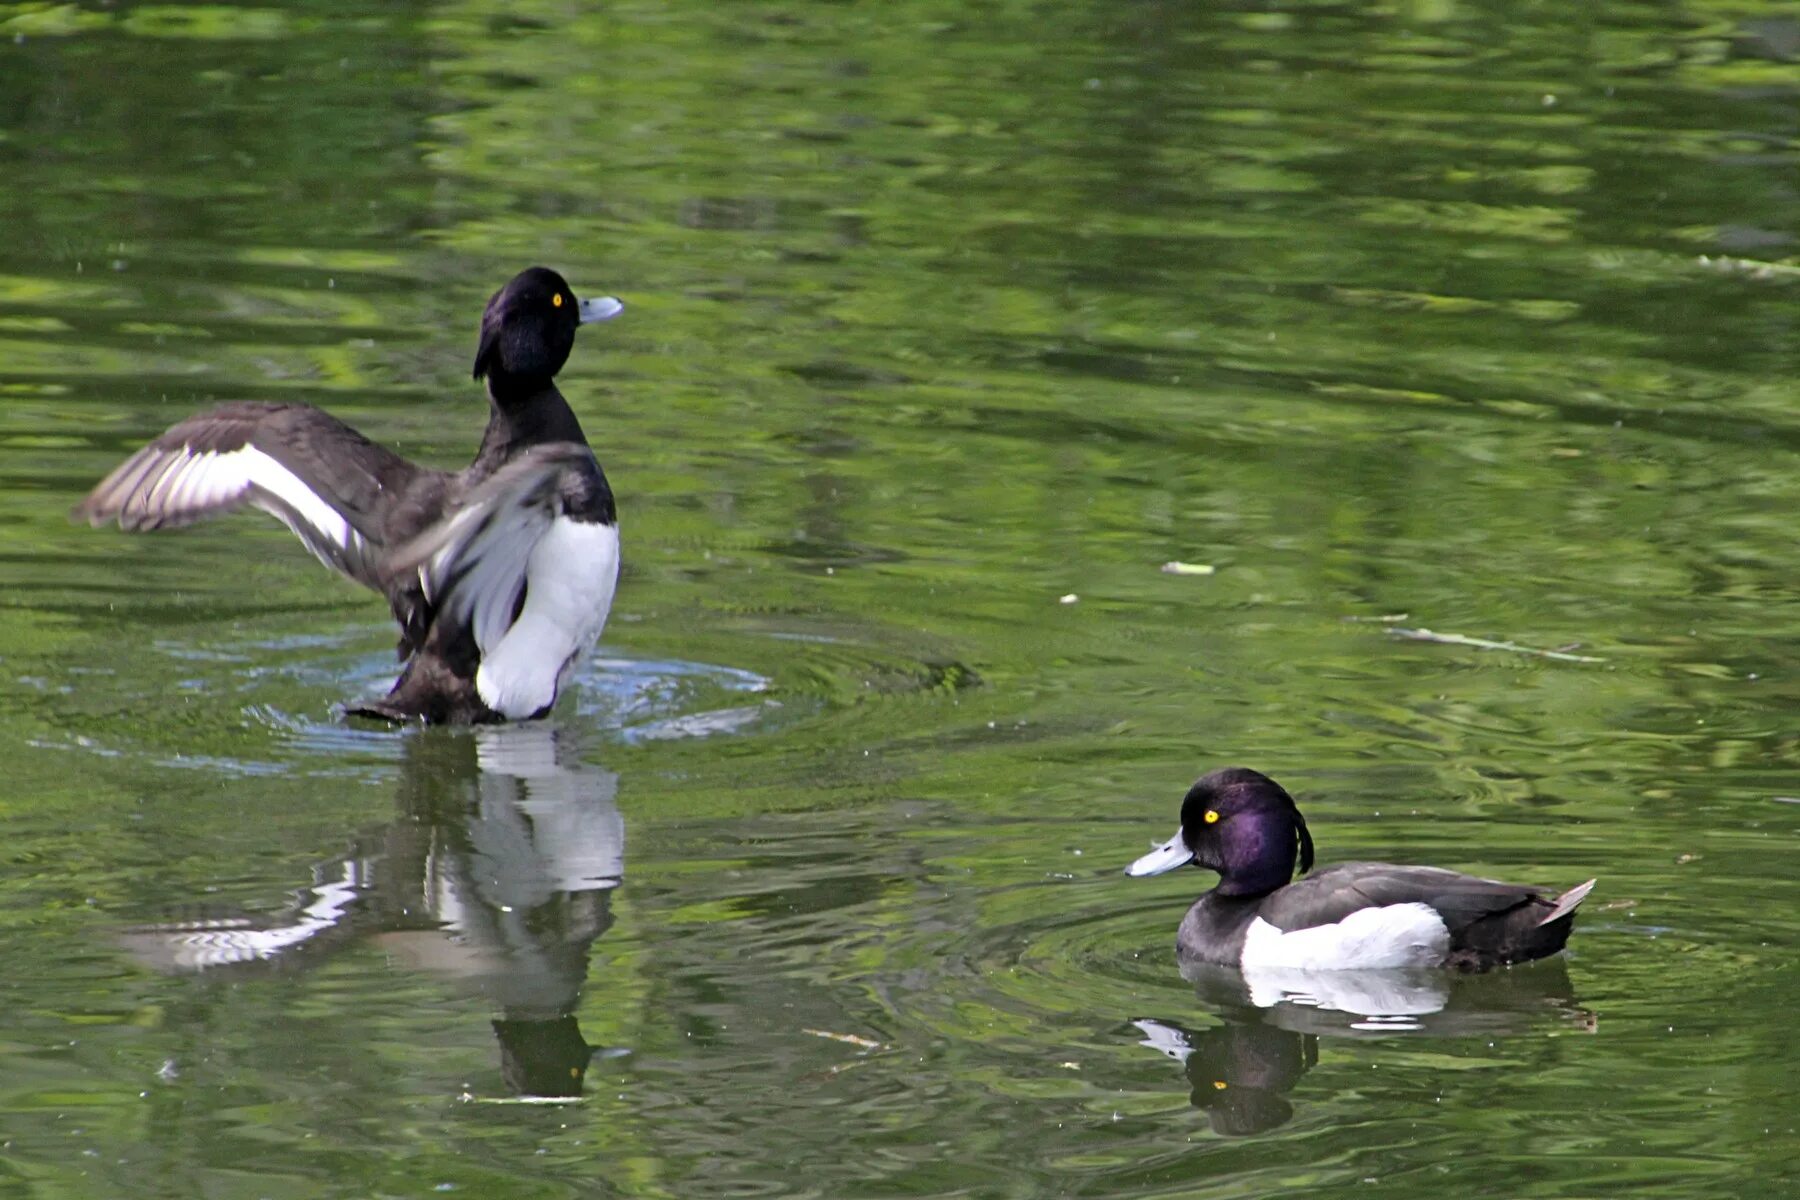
x,y
1355,916
500,575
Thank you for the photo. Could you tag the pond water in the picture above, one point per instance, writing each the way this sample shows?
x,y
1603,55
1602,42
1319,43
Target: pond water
x,y
948,326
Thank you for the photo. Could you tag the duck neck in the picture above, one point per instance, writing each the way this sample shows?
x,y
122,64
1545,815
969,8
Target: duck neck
x,y
1213,929
1243,884
525,413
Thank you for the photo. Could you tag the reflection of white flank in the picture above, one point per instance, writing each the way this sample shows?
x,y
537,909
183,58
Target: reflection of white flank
x,y
203,944
520,887
542,827
1390,993
522,751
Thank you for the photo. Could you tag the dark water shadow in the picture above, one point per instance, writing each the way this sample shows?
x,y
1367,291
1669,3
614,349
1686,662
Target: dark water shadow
x,y
1240,1072
496,874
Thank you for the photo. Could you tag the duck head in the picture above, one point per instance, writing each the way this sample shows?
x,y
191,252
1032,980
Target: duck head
x,y
1241,824
528,327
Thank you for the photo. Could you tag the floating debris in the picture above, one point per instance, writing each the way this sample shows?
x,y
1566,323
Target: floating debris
x,y
1754,268
849,1039
1068,599
1458,639
1181,568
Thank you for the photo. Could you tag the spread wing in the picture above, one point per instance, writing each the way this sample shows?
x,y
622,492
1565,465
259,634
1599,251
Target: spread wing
x,y
473,564
313,473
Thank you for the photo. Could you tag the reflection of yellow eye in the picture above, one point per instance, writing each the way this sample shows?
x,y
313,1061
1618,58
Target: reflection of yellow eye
x,y
556,300
1219,1085
1212,816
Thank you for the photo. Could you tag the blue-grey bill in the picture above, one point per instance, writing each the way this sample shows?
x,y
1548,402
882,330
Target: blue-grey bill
x,y
1166,857
600,308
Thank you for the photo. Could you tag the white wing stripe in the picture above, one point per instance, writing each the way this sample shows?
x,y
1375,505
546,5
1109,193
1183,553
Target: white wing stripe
x,y
164,486
264,472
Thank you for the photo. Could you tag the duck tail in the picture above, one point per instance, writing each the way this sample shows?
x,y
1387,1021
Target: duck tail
x,y
1568,902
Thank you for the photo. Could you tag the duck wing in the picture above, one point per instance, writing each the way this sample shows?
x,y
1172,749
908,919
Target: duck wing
x,y
310,471
476,565
1332,894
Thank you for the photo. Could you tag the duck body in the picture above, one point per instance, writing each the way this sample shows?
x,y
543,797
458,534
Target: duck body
x,y
1353,916
500,575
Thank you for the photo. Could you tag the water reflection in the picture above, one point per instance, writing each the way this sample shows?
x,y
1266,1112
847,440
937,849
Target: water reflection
x,y
1238,1071
1273,1020
496,874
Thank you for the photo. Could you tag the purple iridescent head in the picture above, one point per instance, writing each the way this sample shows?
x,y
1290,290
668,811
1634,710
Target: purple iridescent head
x,y
1241,824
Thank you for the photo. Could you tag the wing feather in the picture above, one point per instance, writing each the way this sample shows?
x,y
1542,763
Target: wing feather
x,y
1331,895
473,564
316,475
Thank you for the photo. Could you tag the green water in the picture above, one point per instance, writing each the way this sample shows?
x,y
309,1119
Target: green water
x,y
948,326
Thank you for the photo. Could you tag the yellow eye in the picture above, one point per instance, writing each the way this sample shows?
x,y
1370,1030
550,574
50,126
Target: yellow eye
x,y
556,300
1220,1085
1212,816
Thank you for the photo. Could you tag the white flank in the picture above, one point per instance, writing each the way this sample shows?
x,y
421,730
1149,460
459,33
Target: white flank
x,y
1399,935
569,579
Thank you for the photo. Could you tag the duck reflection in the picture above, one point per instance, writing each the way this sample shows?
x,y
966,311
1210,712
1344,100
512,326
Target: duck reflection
x,y
497,874
1273,1022
1238,1072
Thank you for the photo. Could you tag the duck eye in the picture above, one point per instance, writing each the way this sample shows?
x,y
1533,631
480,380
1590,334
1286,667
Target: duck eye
x,y
556,300
1212,816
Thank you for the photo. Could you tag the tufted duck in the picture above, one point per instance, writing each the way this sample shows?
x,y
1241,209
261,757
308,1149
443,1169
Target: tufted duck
x,y
1349,917
500,575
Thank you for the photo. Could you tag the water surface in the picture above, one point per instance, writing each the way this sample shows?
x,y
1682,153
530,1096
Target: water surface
x,y
947,328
